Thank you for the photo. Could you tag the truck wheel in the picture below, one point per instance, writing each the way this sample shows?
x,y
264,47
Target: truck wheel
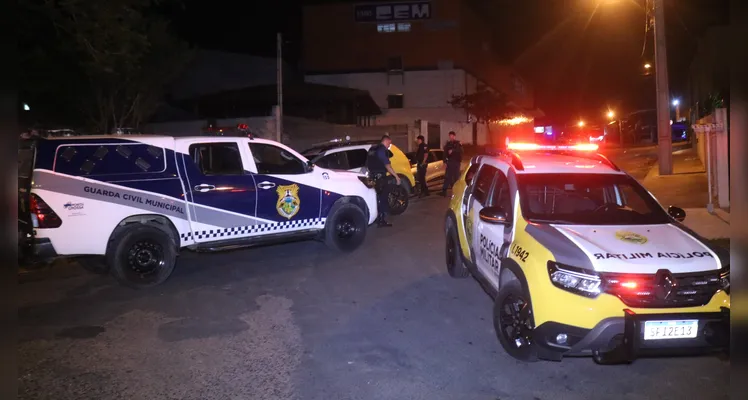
x,y
345,227
398,198
94,264
142,256
455,267
514,323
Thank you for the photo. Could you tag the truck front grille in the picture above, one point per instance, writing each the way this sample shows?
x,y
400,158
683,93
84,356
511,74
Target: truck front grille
x,y
651,291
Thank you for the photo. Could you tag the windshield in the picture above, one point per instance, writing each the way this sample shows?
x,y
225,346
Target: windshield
x,y
587,199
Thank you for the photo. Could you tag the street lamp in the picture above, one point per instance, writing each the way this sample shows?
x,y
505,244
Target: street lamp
x,y
676,104
611,114
647,66
580,124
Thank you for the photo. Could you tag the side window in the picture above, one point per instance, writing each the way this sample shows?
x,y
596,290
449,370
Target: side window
x,y
483,183
431,158
217,158
439,154
337,160
500,195
271,159
356,158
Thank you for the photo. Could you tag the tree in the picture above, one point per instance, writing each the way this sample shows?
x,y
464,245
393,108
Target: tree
x,y
125,51
486,106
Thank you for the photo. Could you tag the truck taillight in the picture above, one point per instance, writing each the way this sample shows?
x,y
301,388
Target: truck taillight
x,y
42,215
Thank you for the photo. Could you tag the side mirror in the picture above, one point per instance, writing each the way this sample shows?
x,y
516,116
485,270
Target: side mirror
x,y
677,213
494,215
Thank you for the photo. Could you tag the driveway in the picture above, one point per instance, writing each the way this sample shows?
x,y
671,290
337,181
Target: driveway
x,y
297,321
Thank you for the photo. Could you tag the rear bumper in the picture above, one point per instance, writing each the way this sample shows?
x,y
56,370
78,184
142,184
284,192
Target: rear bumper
x,y
621,339
43,249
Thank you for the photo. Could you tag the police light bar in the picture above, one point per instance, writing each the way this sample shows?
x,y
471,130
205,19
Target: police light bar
x,y
535,146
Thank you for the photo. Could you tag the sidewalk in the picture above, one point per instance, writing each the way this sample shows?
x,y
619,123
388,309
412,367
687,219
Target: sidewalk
x,y
688,188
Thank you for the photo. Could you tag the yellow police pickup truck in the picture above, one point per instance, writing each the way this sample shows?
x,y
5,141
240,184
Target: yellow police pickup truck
x,y
582,260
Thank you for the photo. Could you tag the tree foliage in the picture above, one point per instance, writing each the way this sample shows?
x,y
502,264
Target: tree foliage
x,y
484,105
124,55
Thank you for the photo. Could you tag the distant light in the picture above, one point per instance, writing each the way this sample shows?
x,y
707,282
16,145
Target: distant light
x,y
647,66
611,114
514,121
676,102
26,107
580,123
539,129
671,122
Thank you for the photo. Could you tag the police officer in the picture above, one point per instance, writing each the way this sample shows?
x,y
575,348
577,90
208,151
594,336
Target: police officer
x,y
378,164
422,155
452,158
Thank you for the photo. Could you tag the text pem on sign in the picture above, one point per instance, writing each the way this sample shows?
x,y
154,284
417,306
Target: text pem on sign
x,y
393,12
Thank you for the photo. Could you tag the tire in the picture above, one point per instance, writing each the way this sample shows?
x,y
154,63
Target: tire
x,y
520,346
345,227
142,256
398,198
455,267
94,264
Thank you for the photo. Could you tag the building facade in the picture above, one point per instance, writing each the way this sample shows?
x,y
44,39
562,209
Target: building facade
x,y
413,57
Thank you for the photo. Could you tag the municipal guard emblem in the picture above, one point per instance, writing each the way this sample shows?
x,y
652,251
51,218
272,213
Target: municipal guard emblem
x,y
288,200
631,237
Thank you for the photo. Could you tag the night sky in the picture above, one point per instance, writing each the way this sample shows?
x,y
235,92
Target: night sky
x,y
581,59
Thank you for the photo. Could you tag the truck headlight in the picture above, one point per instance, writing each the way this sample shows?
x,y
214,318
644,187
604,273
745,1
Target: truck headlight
x,y
724,279
575,280
367,181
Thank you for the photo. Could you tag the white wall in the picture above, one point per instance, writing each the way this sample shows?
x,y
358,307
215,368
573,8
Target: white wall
x,y
425,97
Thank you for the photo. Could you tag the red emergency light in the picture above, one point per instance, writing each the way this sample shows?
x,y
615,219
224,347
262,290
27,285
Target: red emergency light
x,y
534,146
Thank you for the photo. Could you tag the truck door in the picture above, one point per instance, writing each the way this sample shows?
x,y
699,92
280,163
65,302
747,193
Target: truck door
x,y
288,191
221,190
493,239
481,237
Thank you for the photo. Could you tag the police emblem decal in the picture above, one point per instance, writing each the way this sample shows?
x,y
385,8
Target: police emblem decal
x,y
631,237
288,201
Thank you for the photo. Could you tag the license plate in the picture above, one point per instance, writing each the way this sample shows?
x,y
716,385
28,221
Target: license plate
x,y
675,329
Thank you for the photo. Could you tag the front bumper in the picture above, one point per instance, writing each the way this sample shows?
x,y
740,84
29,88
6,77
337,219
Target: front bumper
x,y
621,339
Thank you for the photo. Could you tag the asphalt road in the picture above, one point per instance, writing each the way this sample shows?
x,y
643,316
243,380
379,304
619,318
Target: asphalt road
x,y
297,321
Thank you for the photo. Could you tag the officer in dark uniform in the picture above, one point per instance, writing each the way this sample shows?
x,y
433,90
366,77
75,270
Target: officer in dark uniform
x,y
452,158
378,164
422,156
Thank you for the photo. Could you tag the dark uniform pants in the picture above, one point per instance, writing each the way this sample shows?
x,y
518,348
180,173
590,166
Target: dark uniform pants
x,y
380,185
451,175
421,176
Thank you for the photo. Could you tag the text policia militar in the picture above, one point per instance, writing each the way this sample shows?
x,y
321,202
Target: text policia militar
x,y
635,256
137,199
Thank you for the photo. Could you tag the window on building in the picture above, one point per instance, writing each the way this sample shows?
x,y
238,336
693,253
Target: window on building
x,y
403,27
395,63
385,28
395,101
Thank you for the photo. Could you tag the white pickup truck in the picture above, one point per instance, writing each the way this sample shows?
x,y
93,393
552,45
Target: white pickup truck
x,y
128,205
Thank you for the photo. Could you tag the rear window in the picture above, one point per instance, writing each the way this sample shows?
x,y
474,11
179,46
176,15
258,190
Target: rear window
x,y
109,159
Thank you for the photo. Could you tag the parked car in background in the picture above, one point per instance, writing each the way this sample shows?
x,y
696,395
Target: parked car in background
x,y
436,169
351,156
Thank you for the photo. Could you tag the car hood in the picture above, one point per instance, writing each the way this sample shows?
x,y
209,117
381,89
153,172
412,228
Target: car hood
x,y
641,248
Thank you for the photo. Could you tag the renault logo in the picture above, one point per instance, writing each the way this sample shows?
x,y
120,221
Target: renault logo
x,y
665,284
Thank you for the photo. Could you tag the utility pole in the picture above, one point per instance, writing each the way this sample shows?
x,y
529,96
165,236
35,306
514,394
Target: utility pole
x,y
279,84
664,133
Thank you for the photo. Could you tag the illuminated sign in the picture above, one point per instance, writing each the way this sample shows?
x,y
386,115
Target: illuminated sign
x,y
393,12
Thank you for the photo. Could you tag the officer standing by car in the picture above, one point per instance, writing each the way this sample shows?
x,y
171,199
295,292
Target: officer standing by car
x,y
378,164
452,159
422,155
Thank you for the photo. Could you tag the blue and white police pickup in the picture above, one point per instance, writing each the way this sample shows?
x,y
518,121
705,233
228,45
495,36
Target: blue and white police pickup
x,y
129,205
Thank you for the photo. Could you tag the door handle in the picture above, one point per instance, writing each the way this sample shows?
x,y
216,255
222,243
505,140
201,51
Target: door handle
x,y
266,185
204,188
